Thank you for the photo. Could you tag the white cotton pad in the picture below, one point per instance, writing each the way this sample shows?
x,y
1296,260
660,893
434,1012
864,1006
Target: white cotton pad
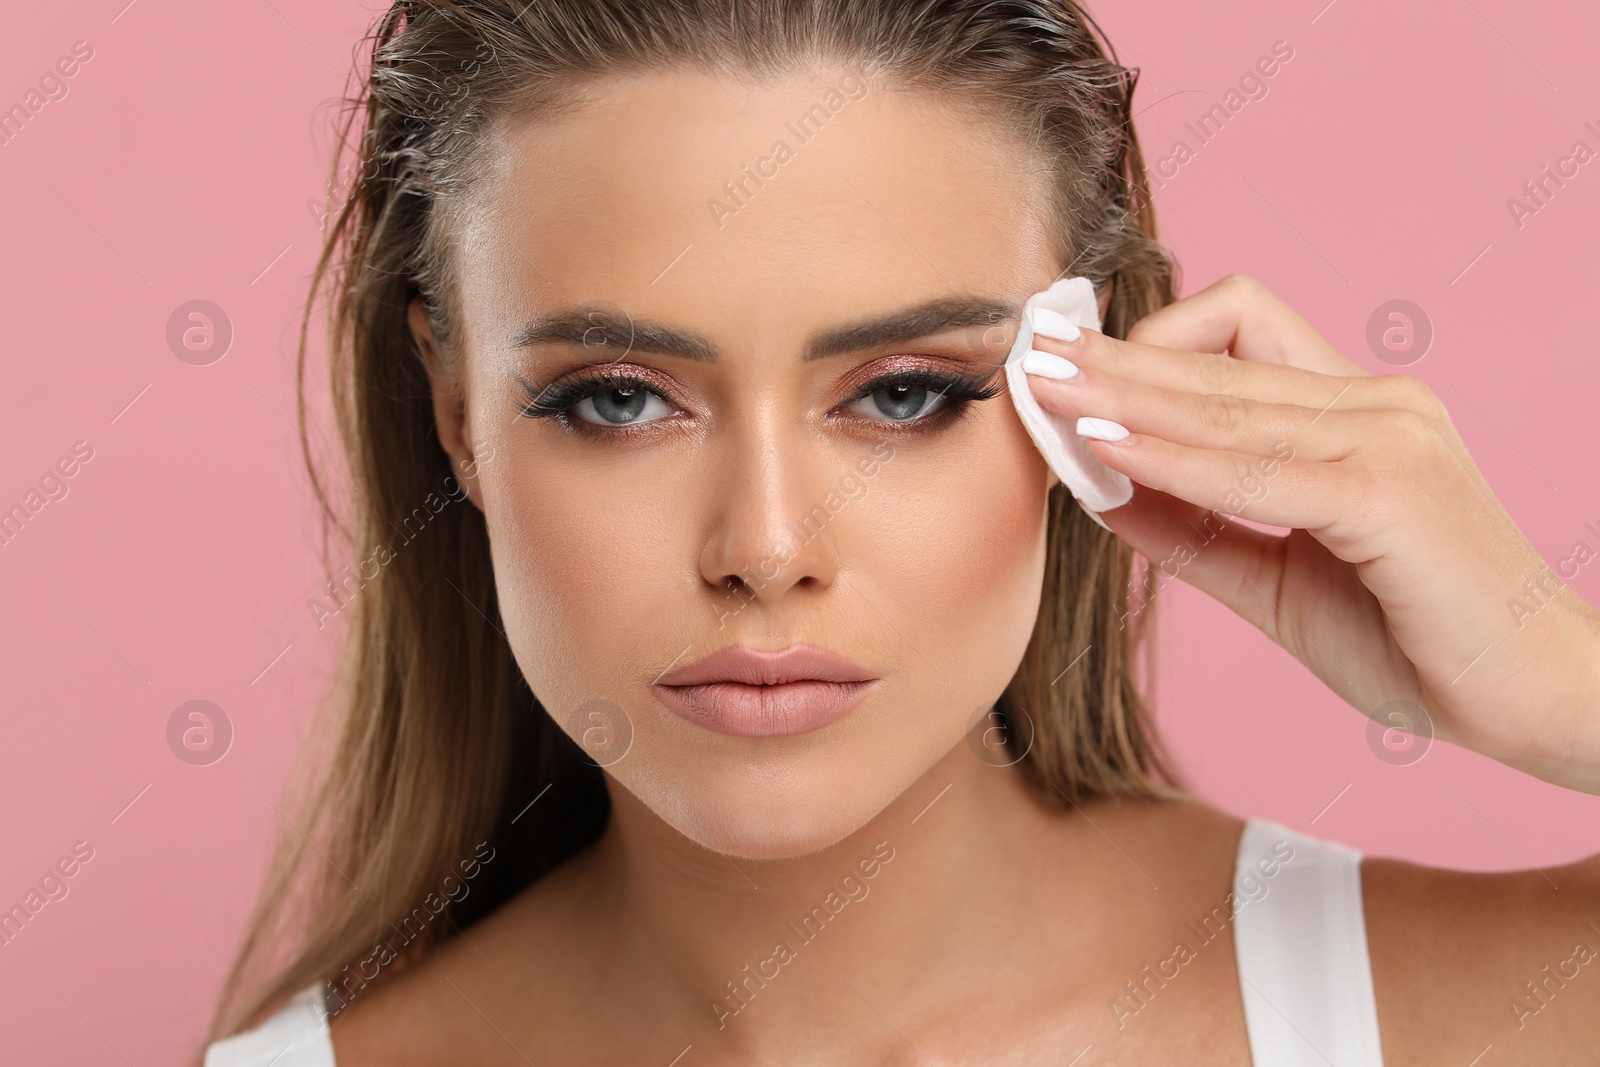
x,y
1095,486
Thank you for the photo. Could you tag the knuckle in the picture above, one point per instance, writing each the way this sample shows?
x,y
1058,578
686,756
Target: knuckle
x,y
1411,394
1242,286
1216,374
1413,433
1156,329
1404,465
1106,353
1223,414
1244,470
1426,401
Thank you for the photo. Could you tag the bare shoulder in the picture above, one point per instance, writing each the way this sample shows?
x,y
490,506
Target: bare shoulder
x,y
1158,981
504,970
1464,961
1166,855
1184,837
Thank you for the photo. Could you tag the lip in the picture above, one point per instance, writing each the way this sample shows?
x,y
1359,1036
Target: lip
x,y
751,692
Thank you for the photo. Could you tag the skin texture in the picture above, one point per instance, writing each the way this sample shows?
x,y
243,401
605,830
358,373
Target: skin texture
x,y
999,929
951,526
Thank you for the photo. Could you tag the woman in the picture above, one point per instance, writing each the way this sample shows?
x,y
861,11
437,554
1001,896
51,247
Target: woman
x,y
735,681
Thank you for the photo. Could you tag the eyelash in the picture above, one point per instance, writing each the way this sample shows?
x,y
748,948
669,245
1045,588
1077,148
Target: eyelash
x,y
960,391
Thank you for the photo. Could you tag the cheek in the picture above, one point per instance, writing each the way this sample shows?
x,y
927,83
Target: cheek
x,y
938,570
960,548
582,590
949,540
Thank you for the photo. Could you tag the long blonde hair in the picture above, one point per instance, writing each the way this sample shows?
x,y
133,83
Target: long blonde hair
x,y
438,744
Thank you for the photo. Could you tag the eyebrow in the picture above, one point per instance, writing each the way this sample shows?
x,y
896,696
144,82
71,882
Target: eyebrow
x,y
598,327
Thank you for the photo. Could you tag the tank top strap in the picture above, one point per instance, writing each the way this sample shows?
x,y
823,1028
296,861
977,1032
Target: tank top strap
x,y
297,1036
1300,937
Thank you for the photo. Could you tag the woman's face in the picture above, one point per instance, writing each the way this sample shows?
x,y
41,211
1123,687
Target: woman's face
x,y
786,279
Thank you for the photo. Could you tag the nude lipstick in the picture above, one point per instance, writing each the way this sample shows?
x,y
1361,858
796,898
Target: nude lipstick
x,y
750,692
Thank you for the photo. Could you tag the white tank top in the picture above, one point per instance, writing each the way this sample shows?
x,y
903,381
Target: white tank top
x,y
1299,935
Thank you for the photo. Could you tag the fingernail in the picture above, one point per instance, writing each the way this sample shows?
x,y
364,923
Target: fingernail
x,y
1055,325
1048,365
1101,429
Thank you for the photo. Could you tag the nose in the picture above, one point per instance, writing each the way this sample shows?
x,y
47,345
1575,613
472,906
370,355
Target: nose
x,y
772,529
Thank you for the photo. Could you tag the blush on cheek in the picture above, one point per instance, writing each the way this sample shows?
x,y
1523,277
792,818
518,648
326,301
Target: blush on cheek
x,y
994,522
582,594
955,546
546,570
1001,527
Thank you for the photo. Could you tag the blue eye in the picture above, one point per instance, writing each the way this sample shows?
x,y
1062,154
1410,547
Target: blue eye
x,y
621,406
921,397
901,401
612,401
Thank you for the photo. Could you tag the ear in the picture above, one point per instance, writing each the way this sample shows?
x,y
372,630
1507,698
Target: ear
x,y
449,406
1105,298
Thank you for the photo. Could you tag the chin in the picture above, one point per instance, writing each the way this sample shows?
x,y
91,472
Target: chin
x,y
771,809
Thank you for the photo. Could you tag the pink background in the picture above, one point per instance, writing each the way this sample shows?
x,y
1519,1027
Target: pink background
x,y
185,163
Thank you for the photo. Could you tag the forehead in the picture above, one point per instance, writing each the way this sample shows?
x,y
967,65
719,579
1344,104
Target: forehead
x,y
762,210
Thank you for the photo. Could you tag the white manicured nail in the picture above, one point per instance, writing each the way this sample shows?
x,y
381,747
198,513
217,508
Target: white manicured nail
x,y
1054,324
1101,429
1048,365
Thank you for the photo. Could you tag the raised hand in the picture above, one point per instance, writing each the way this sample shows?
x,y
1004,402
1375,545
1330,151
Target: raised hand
x,y
1401,578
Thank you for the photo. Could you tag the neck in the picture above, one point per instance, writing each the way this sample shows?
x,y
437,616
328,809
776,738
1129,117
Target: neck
x,y
751,945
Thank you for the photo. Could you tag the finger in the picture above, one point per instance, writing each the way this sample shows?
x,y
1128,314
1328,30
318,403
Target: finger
x,y
1278,490
1241,316
1208,372
1205,548
1210,420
